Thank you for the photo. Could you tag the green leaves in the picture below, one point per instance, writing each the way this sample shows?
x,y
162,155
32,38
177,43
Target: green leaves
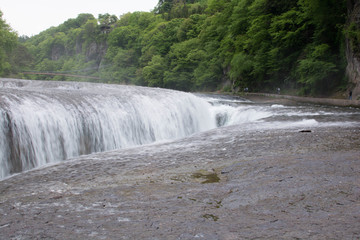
x,y
352,32
124,37
153,73
314,75
7,44
317,70
202,44
241,72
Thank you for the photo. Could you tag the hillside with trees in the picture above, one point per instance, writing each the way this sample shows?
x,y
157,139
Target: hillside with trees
x,y
8,41
198,45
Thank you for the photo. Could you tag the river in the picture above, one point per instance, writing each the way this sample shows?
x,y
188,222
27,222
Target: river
x,y
125,162
44,122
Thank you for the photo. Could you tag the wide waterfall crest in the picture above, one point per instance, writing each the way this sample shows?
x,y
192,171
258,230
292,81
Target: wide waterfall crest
x,y
43,122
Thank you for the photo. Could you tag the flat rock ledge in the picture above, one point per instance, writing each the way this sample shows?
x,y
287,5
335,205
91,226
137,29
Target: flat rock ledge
x,y
222,184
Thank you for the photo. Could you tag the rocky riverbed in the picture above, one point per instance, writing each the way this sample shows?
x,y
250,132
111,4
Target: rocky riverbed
x,y
226,183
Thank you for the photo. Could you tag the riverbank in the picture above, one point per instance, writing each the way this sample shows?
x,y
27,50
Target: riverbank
x,y
222,184
260,97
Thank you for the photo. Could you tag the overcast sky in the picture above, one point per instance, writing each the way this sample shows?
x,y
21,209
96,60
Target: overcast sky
x,y
30,17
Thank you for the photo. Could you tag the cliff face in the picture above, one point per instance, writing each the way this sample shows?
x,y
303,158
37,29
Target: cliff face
x,y
92,51
353,47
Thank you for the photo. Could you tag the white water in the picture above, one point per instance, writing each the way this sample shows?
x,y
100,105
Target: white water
x,y
46,122
43,122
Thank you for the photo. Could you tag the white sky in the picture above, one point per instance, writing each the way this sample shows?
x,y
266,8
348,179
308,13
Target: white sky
x,y
30,17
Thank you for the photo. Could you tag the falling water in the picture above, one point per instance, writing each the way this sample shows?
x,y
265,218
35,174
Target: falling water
x,y
43,122
46,121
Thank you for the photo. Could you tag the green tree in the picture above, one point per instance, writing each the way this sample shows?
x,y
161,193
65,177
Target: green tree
x,y
8,42
317,71
203,44
153,73
106,22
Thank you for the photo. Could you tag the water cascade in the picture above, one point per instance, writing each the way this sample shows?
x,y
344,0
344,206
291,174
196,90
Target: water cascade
x,y
43,122
46,121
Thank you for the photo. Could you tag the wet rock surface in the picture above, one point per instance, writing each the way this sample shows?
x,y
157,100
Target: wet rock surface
x,y
223,184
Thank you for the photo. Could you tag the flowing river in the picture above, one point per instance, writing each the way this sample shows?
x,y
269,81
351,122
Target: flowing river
x,y
45,122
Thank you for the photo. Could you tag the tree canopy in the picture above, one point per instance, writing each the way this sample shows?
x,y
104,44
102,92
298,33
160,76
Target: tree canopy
x,y
8,43
197,45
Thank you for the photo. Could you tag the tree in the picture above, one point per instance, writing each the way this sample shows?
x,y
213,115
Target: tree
x,y
203,44
8,41
153,73
317,71
106,22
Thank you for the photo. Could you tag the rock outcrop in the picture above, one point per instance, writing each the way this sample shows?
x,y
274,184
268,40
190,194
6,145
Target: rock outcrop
x,y
353,49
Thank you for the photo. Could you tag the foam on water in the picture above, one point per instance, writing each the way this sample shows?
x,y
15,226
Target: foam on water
x,y
47,122
44,122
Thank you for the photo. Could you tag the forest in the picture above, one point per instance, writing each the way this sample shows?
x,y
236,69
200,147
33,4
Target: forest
x,y
195,45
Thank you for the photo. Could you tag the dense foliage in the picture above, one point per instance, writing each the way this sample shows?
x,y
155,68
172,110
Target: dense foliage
x,y
7,45
201,45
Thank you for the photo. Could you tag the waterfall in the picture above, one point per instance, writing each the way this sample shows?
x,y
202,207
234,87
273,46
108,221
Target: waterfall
x,y
47,121
44,122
